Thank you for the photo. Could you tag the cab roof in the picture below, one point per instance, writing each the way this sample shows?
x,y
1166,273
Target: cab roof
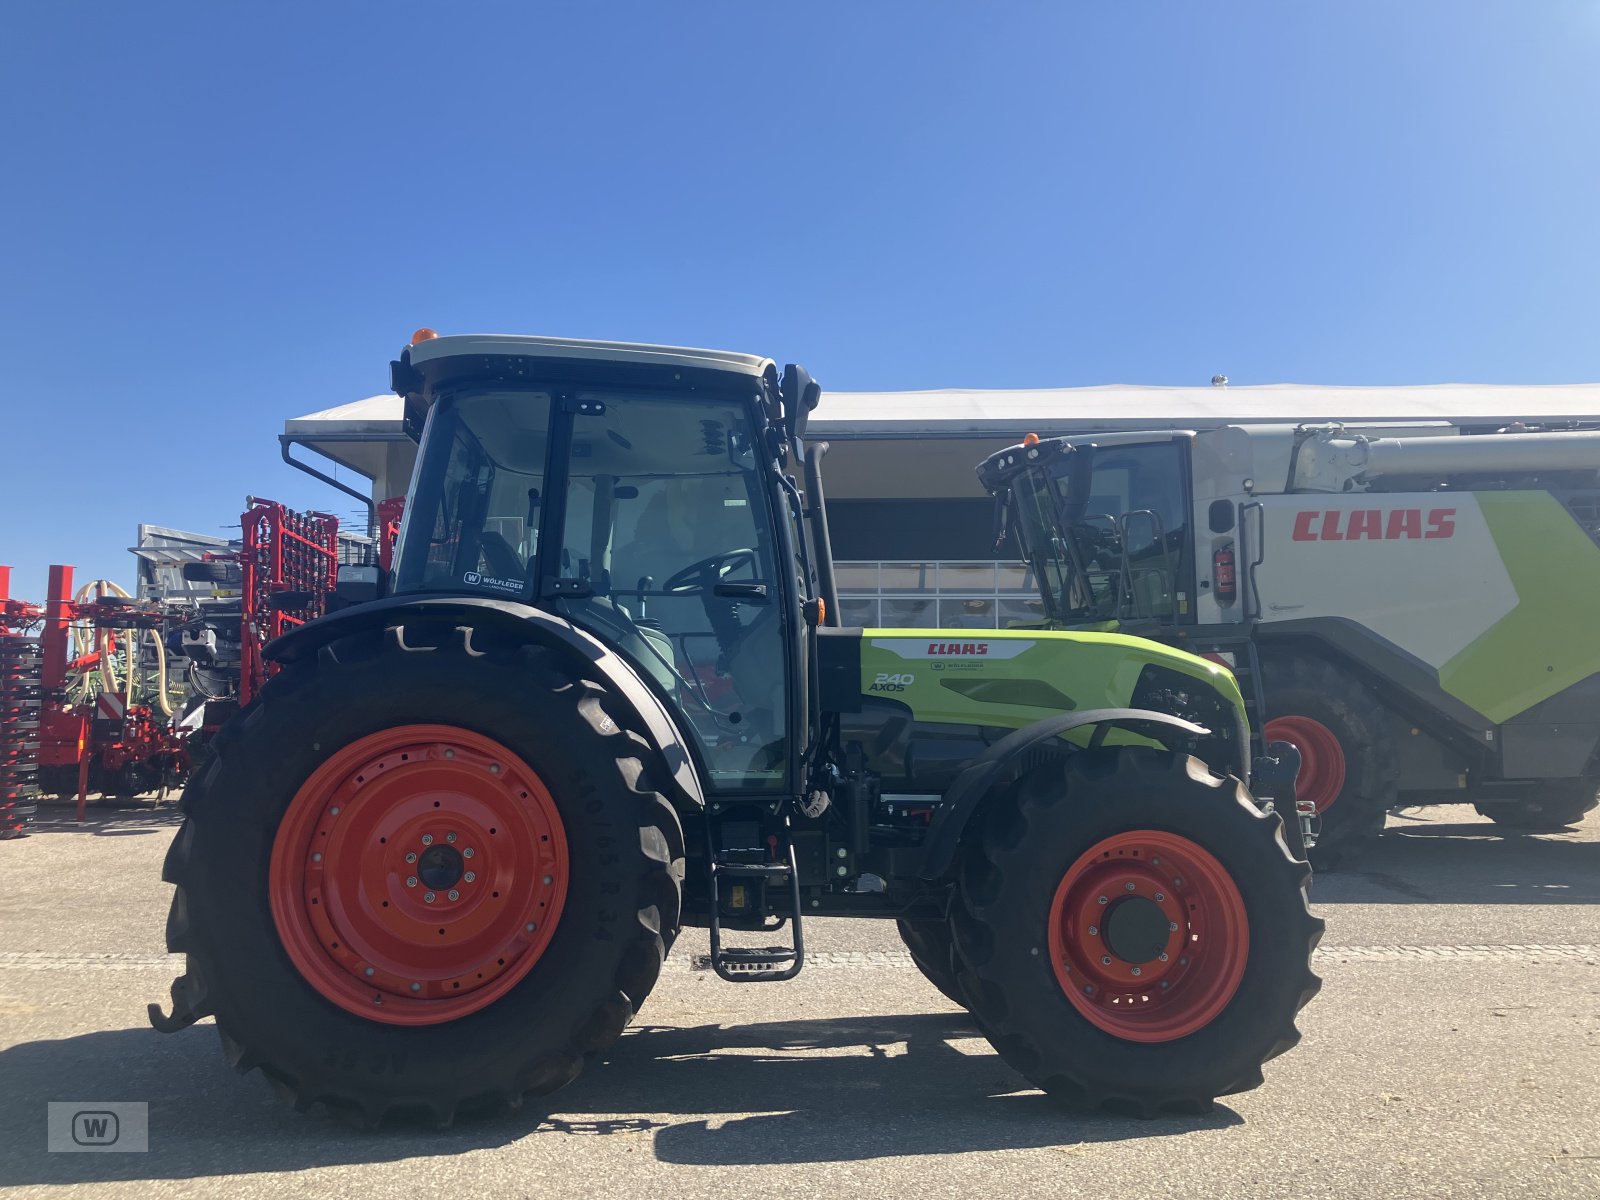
x,y
525,346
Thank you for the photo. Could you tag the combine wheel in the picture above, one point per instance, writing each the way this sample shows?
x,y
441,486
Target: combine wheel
x,y
423,873
1553,806
1348,765
1131,933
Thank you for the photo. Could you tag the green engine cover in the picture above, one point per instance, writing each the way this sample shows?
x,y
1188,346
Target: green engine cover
x,y
1006,679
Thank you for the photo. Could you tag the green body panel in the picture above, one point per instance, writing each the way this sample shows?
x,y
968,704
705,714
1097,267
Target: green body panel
x,y
1010,678
1551,640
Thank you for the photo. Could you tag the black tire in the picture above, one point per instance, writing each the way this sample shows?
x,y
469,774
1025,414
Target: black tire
x,y
1002,916
622,903
1301,686
929,941
1552,806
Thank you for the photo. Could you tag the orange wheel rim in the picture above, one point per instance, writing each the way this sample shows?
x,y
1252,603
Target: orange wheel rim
x,y
418,874
1148,936
1322,770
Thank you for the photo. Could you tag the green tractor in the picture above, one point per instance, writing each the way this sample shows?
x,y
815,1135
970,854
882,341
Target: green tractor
x,y
440,860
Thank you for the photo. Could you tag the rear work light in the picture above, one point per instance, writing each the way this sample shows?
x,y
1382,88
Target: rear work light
x,y
1224,579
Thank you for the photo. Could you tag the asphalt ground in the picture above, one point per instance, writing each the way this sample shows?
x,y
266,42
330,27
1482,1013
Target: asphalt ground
x,y
1453,1052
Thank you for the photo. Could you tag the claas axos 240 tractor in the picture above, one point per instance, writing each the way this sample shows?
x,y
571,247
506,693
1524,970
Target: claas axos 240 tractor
x,y
441,858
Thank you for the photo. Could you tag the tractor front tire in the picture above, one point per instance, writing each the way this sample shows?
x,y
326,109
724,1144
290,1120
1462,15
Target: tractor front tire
x,y
1551,807
1349,765
1132,933
426,872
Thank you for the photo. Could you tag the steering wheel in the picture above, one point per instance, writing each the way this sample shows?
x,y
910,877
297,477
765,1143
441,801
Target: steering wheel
x,y
698,578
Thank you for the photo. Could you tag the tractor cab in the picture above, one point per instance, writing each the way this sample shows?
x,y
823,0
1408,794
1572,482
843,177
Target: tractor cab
x,y
638,493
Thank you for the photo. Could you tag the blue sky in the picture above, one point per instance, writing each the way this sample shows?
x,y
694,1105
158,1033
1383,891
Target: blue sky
x,y
217,216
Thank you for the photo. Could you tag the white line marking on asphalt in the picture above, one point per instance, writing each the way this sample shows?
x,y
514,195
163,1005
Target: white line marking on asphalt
x,y
875,960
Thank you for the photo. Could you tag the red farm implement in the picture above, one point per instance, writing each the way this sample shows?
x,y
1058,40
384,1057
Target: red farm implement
x,y
290,565
73,716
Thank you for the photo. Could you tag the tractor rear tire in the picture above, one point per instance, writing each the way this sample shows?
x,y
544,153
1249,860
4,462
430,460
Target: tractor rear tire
x,y
1552,807
1349,764
1132,933
541,849
928,940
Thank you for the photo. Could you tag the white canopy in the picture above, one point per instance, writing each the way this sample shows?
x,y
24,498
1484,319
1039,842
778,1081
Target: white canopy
x,y
366,436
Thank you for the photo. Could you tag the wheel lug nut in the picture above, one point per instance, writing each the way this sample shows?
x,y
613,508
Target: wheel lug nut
x,y
1104,900
1105,960
1172,926
470,876
1127,887
449,837
1158,897
1163,956
1094,931
427,839
427,897
468,852
1137,971
411,856
453,894
411,881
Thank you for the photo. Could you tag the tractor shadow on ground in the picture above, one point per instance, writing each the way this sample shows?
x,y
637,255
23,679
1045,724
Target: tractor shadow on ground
x,y
814,1091
1425,857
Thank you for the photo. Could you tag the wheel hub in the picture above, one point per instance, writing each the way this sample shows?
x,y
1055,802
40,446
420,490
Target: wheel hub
x,y
419,874
440,866
1137,930
1148,936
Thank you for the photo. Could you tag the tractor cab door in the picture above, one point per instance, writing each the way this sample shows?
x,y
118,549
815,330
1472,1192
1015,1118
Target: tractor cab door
x,y
667,552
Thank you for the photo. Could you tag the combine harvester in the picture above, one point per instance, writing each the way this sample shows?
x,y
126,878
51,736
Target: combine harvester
x,y
1413,611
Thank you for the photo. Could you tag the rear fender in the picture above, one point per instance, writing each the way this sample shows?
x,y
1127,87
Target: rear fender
x,y
1000,764
525,623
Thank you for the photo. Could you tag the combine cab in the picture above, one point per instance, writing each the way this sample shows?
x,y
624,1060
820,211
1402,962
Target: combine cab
x,y
438,862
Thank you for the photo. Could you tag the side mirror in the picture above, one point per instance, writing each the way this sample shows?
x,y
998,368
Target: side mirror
x,y
801,394
357,583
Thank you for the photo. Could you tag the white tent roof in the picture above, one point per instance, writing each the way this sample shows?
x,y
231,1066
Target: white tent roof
x,y
352,434
955,412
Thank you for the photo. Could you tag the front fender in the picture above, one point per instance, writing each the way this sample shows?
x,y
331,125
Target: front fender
x,y
993,765
526,623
